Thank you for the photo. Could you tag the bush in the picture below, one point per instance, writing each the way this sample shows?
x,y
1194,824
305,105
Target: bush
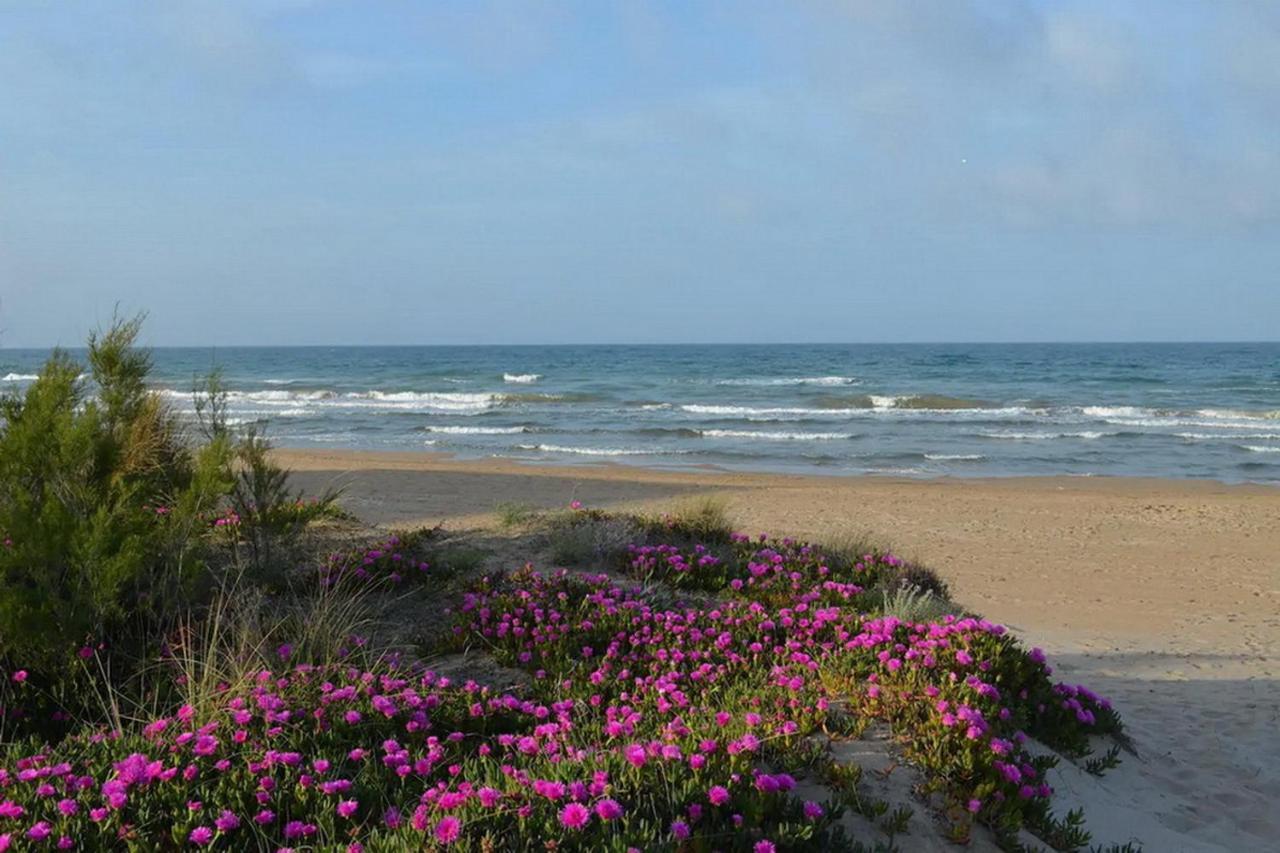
x,y
701,519
100,505
587,538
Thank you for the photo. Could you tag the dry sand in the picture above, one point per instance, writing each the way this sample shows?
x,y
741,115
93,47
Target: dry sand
x,y
1162,594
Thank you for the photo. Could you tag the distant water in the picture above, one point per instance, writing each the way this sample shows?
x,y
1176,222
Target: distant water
x,y
1163,410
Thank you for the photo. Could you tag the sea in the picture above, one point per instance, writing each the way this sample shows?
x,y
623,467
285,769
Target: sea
x,y
898,410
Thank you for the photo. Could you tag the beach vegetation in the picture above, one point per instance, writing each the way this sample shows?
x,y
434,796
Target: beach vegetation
x,y
511,514
584,538
179,668
914,604
702,518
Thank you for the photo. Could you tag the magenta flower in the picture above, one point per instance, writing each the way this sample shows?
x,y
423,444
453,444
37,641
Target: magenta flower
x,y
609,809
347,808
680,830
227,821
718,795
200,836
448,829
575,816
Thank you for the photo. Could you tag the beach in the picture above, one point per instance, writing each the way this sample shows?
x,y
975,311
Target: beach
x,y
1162,594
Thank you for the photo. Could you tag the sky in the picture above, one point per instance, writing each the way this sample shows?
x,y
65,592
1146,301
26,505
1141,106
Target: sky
x,y
294,172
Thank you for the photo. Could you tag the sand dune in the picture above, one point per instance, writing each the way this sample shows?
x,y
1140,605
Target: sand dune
x,y
1164,595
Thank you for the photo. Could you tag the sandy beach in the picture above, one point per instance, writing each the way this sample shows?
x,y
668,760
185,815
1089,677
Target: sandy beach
x,y
1162,594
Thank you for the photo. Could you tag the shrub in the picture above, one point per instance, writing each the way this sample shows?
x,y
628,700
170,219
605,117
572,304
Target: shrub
x,y
587,538
914,604
511,515
100,506
702,519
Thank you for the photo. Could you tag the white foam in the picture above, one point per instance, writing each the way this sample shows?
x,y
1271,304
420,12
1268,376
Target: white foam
x,y
590,451
1117,412
955,457
1088,435
793,380
1257,448
1206,436
521,378
775,436
1237,414
19,377
468,430
751,412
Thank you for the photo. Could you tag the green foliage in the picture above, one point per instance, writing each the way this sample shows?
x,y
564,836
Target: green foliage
x,y
589,538
99,500
699,519
913,604
511,514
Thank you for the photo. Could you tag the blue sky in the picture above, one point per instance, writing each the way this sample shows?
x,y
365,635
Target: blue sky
x,y
285,171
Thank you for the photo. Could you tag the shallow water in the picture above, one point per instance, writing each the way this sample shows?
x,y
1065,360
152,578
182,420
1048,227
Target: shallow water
x,y
1164,410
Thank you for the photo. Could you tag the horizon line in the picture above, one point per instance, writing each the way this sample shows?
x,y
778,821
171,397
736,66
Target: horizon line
x,y
664,344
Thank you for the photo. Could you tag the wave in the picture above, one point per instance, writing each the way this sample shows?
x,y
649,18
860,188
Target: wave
x,y
792,380
527,397
955,457
753,412
1141,413
521,378
469,430
677,432
1258,448
775,436
1207,436
1240,414
593,451
1088,435
934,402
19,377
438,401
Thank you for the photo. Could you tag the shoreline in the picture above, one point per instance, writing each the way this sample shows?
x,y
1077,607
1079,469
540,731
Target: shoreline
x,y
312,459
1164,595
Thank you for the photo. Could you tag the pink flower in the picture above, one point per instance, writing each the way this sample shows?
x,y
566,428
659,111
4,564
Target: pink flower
x,y
227,821
40,831
347,808
609,810
765,846
635,754
812,811
448,829
200,836
20,676
718,795
680,830
575,815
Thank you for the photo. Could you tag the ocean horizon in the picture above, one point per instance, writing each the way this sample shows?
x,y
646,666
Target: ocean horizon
x,y
1202,410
